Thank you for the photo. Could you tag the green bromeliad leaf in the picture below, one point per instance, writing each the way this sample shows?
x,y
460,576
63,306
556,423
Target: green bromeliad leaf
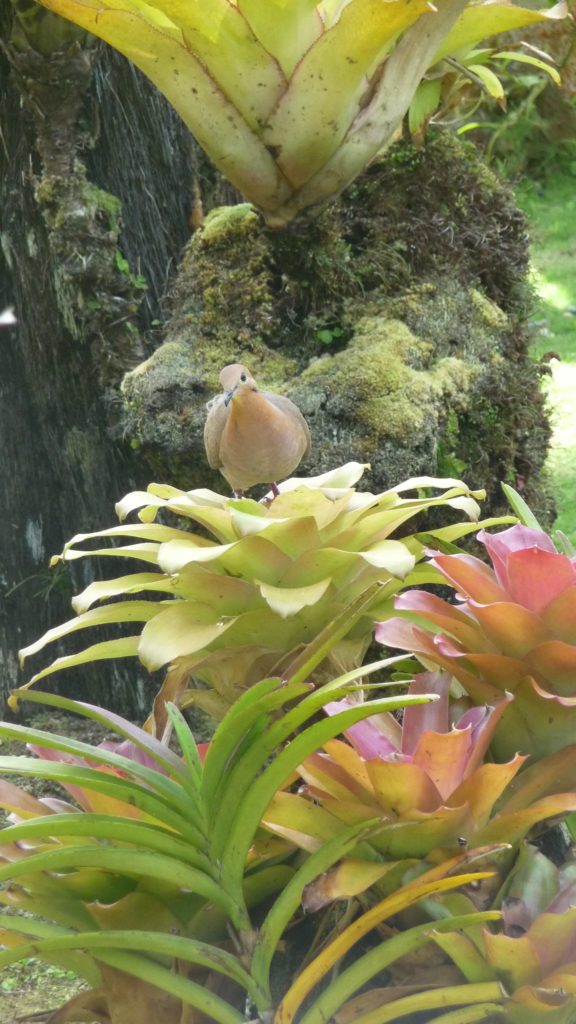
x,y
181,629
171,54
127,647
288,601
425,102
286,28
162,842
209,29
316,970
472,24
489,80
124,611
355,45
164,883
525,58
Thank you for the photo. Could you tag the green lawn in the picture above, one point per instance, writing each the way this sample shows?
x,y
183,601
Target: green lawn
x,y
551,210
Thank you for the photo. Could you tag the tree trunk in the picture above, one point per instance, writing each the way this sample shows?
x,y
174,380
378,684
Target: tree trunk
x,y
75,121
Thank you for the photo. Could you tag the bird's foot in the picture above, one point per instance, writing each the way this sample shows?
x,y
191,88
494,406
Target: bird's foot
x,y
237,495
267,500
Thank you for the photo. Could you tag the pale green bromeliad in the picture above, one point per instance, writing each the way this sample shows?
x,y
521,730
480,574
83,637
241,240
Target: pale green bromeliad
x,y
292,99
256,597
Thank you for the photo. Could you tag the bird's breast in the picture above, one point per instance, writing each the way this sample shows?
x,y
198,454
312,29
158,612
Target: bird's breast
x,y
260,443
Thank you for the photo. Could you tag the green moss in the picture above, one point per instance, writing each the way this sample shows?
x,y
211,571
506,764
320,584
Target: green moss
x,y
379,384
170,357
439,210
222,312
62,197
226,220
222,294
448,462
492,315
97,292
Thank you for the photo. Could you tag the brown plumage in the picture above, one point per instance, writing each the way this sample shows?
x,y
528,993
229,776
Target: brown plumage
x,y
251,436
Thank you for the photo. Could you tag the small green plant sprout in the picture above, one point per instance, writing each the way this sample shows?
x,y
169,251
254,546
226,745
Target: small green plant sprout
x,y
292,99
329,335
251,593
473,77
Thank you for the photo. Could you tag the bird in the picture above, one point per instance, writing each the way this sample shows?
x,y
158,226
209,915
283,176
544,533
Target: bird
x,y
252,436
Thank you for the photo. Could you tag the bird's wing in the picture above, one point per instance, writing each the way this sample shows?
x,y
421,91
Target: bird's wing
x,y
289,409
213,429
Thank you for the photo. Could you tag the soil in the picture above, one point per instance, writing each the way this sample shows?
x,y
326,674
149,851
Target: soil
x,y
31,990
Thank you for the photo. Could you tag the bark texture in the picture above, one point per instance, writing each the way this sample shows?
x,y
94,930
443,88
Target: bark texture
x,y
95,193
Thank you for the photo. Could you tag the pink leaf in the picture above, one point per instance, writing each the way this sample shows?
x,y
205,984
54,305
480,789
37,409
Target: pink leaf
x,y
126,748
444,757
48,754
483,722
512,629
536,577
518,538
405,635
470,577
365,737
431,717
14,799
455,621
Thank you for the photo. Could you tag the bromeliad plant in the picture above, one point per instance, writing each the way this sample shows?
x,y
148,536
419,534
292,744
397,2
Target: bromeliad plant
x,y
513,629
157,886
427,781
244,599
532,955
292,99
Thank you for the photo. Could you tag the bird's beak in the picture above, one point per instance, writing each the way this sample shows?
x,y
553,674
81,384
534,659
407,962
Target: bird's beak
x,y
228,396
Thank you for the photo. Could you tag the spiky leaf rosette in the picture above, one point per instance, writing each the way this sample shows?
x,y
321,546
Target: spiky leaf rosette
x,y
142,882
533,953
426,780
513,629
253,593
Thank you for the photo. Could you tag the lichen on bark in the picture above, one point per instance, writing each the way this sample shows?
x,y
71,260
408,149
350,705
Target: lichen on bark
x,y
97,294
395,319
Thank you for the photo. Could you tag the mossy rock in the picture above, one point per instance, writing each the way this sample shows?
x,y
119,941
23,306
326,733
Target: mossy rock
x,y
394,319
404,392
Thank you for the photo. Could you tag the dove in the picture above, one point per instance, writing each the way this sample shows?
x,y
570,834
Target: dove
x,y
252,436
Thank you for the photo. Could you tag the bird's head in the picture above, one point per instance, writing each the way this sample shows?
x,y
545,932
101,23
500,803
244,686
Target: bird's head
x,y
236,381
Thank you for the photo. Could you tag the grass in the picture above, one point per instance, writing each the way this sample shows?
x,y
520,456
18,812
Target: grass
x,y
551,211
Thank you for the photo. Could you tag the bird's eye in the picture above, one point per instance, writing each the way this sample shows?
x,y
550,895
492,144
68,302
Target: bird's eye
x,y
243,377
